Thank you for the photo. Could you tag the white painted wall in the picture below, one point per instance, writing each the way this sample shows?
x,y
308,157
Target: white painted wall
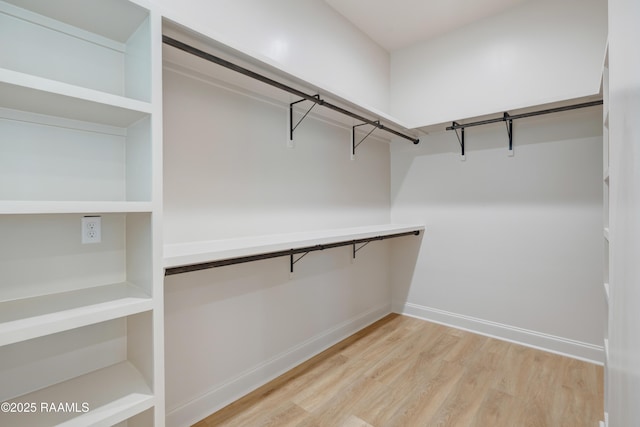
x,y
228,173
536,53
305,38
624,317
513,245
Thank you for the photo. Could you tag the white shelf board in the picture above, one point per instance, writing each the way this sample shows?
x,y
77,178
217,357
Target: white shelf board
x,y
180,254
606,291
113,394
606,233
19,207
25,92
34,317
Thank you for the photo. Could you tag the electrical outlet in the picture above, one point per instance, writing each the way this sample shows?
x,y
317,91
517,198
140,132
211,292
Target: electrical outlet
x,y
91,229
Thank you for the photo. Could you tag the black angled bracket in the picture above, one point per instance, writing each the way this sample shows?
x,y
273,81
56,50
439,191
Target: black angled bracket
x,y
353,136
508,122
293,261
293,127
356,249
460,136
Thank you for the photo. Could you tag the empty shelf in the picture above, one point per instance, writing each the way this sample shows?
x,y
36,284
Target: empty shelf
x,y
28,318
25,92
103,397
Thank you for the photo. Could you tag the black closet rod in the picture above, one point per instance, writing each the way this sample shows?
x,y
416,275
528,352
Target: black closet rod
x,y
224,63
507,117
287,252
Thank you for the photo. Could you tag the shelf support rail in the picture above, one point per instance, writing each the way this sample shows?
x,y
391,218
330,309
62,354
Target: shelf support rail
x,y
353,136
287,252
313,98
508,119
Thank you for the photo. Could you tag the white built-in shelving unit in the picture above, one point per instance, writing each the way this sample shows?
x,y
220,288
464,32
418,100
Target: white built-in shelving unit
x,y
606,216
80,324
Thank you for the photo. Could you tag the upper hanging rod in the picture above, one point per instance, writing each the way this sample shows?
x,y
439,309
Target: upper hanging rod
x,y
507,117
313,98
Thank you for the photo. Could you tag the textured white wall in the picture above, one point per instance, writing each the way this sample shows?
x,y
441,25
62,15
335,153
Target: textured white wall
x,y
228,173
624,137
513,245
305,38
537,53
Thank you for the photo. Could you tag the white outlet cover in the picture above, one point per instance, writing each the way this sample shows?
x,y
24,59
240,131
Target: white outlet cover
x,y
91,229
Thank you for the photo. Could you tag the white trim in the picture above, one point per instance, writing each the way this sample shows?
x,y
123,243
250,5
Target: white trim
x,y
550,343
197,409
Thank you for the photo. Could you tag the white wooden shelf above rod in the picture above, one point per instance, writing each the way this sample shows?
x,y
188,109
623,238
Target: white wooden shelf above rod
x,y
315,99
508,120
193,256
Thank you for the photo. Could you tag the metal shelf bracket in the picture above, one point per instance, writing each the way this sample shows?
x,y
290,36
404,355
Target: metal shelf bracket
x,y
293,127
293,260
455,126
356,249
376,125
508,122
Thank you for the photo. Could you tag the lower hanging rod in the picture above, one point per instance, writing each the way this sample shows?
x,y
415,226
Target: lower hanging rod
x,y
523,115
313,98
276,254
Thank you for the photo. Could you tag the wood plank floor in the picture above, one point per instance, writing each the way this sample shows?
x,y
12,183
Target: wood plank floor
x,y
403,371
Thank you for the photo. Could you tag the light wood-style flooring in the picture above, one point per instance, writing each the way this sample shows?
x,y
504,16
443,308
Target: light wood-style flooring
x,y
406,372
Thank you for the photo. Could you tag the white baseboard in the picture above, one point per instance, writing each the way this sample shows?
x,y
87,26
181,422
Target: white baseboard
x,y
217,398
554,344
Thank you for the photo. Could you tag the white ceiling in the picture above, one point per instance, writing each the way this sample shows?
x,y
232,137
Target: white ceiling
x,y
399,23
